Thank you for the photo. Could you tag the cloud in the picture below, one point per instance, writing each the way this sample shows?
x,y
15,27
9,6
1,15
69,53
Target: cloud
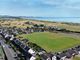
x,y
41,7
62,3
46,3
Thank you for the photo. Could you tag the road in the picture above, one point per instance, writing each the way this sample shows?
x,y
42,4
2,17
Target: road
x,y
10,54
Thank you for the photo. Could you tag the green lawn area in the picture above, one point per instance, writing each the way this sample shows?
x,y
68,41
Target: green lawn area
x,y
53,41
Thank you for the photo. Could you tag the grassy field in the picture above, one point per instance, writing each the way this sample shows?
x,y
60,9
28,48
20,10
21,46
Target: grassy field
x,y
53,41
21,24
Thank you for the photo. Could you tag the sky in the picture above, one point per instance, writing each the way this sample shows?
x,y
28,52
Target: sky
x,y
45,8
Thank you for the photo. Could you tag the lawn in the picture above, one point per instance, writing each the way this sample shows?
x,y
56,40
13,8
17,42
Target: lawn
x,y
53,42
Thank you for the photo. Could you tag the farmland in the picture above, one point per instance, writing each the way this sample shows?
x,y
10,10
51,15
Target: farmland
x,y
53,42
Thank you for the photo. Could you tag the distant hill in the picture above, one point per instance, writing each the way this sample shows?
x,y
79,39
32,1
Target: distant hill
x,y
6,17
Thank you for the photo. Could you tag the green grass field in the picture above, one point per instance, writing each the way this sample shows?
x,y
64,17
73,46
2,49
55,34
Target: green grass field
x,y
53,41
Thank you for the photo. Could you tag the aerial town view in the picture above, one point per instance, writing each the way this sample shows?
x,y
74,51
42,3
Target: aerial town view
x,y
39,30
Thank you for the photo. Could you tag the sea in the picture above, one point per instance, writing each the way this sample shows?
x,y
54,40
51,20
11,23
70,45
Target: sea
x,y
58,19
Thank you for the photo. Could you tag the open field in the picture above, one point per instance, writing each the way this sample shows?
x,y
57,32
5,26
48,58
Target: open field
x,y
17,23
21,24
53,41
